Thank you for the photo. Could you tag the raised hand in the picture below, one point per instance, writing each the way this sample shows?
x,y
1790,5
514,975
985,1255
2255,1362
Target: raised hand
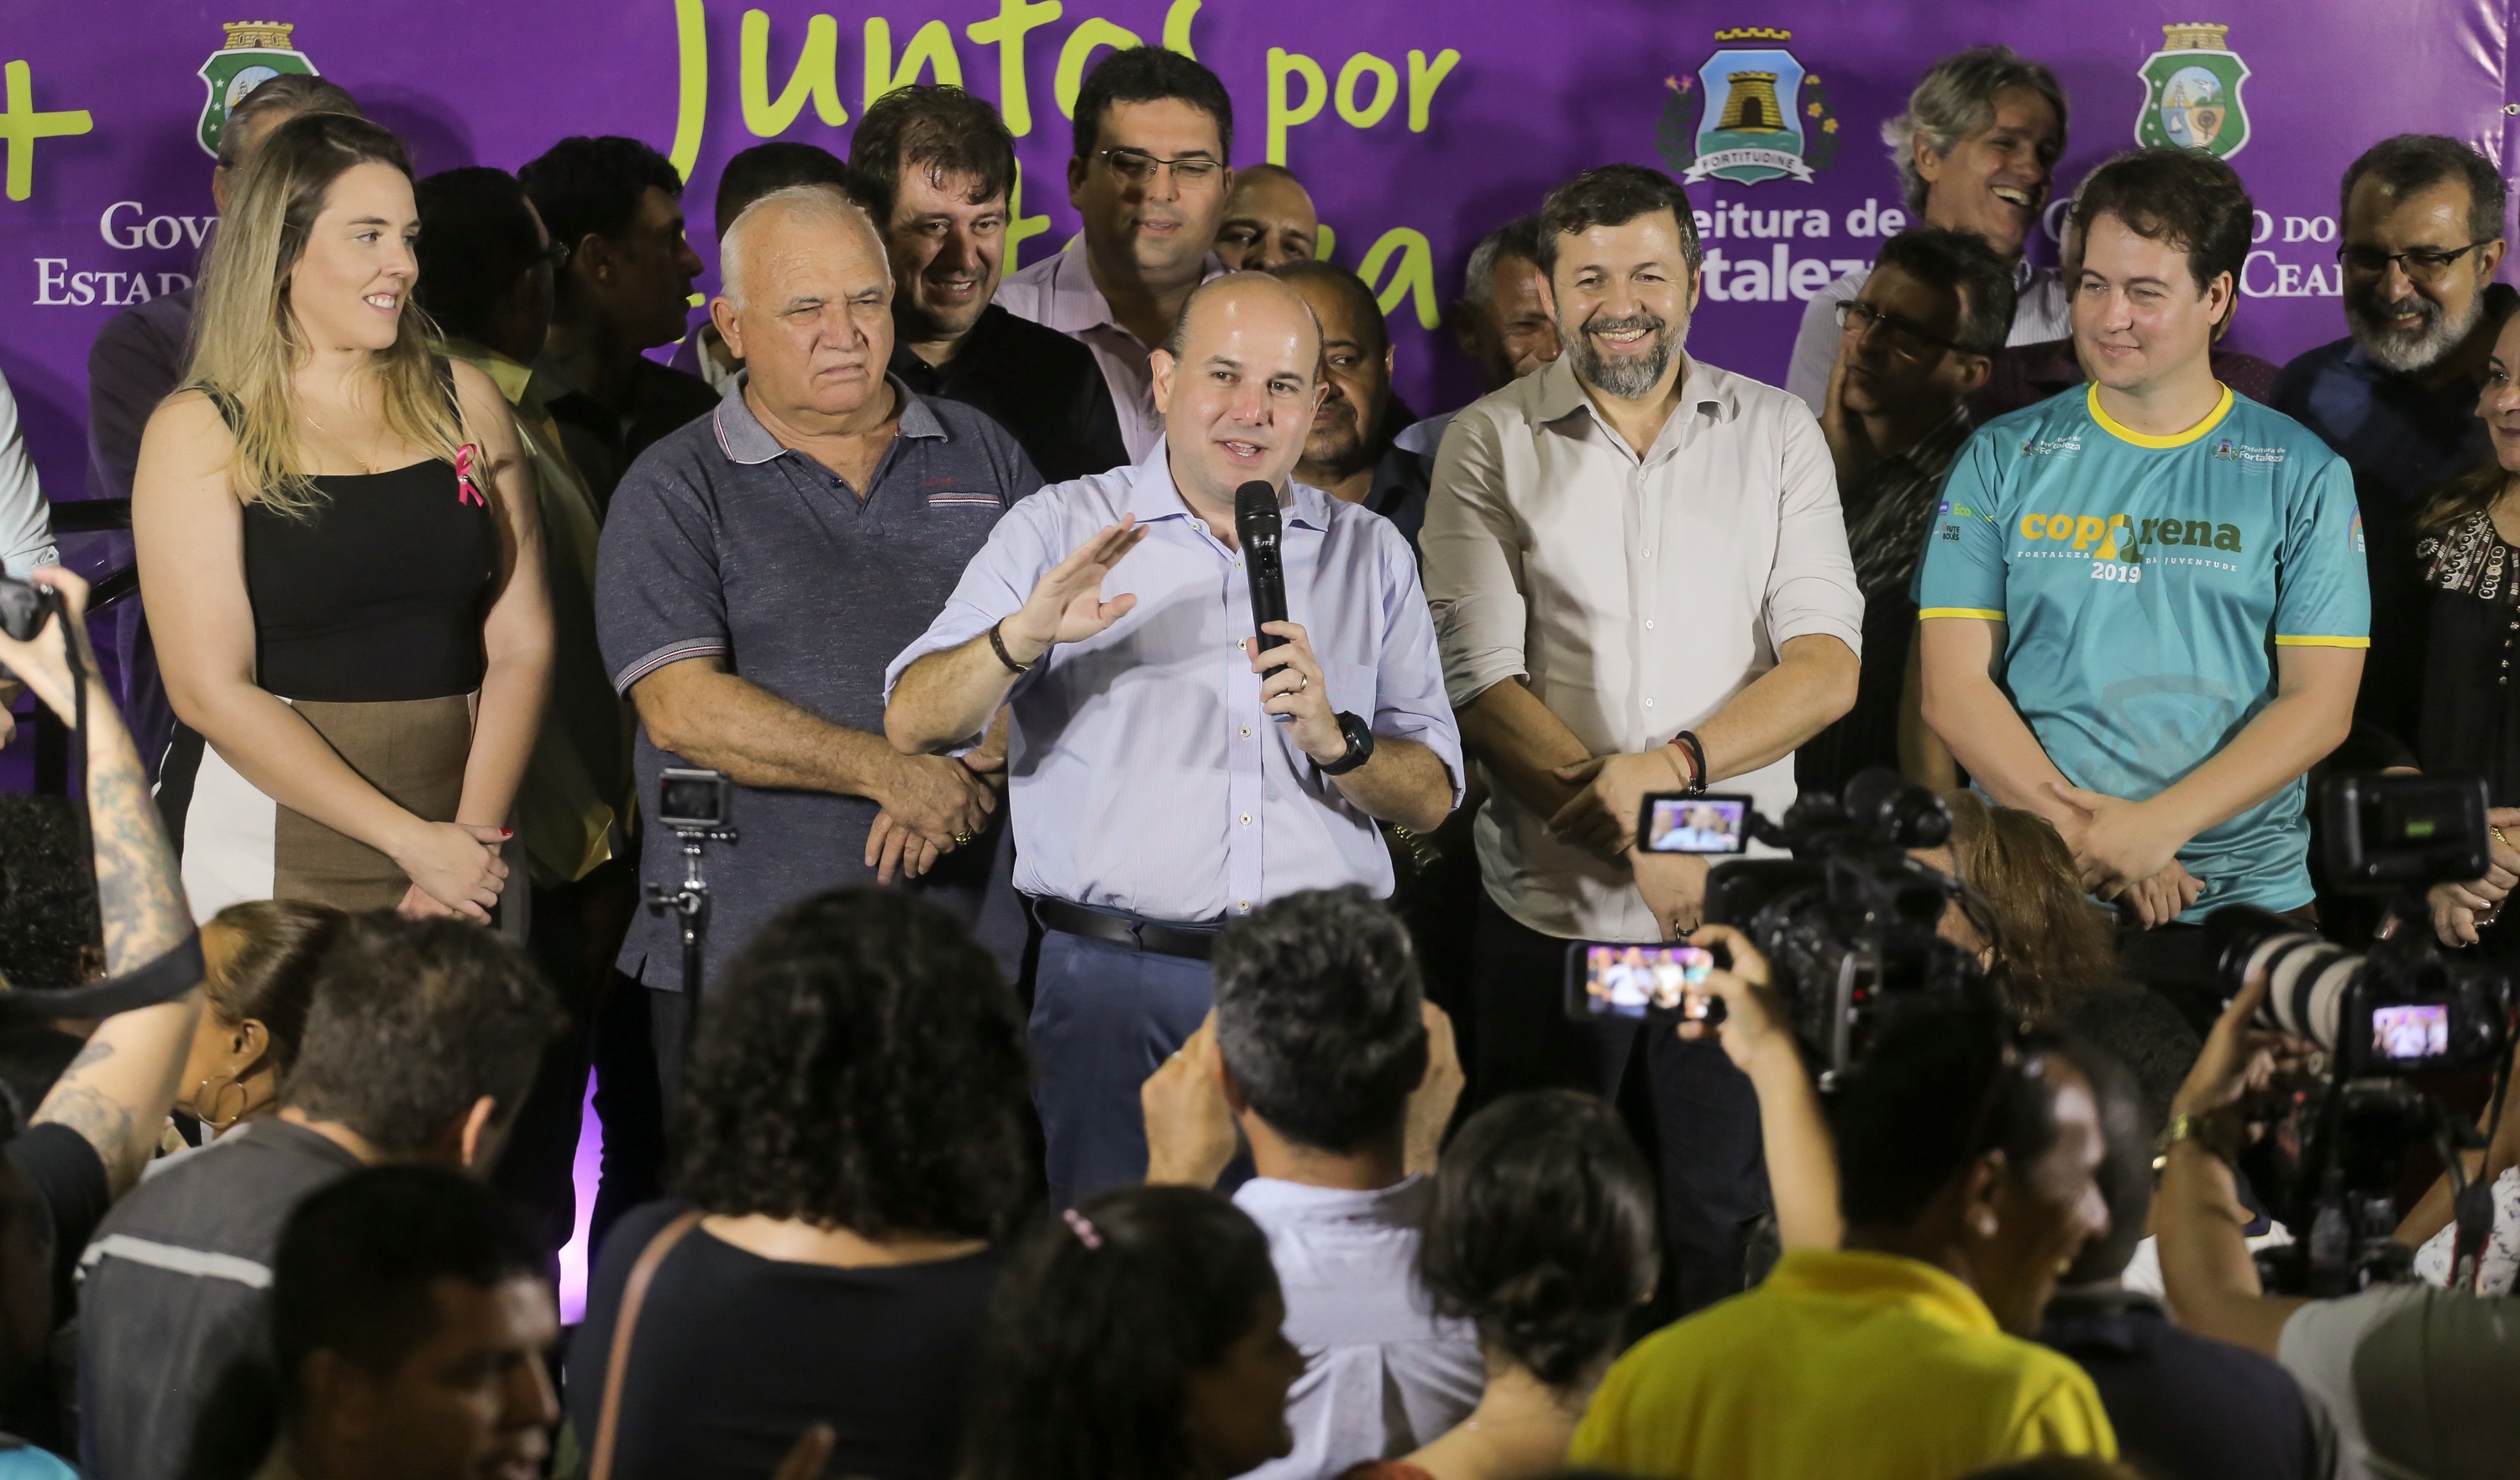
x,y
1067,604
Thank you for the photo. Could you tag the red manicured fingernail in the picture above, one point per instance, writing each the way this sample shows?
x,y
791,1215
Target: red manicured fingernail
x,y
507,833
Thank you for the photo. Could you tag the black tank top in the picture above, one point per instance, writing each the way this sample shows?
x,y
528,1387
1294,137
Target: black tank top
x,y
377,594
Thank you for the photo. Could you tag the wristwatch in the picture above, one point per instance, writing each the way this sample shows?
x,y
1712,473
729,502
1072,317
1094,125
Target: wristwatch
x,y
1360,745
2199,1129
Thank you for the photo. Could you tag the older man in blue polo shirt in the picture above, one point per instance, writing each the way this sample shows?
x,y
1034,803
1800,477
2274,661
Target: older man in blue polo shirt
x,y
1167,775
760,564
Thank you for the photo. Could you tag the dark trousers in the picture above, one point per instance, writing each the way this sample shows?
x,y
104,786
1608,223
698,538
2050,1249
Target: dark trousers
x,y
575,932
2176,960
630,1102
1104,1018
1693,1114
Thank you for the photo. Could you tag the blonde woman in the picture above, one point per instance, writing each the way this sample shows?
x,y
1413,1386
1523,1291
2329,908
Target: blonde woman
x,y
338,551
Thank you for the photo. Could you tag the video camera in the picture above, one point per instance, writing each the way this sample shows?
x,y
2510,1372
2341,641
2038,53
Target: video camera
x,y
2334,1148
1848,923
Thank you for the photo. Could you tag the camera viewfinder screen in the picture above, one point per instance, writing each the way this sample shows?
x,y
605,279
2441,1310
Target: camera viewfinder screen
x,y
1622,981
684,798
1696,824
2412,1031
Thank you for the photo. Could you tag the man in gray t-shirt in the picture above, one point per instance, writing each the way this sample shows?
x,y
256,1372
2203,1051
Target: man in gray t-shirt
x,y
759,567
2421,1381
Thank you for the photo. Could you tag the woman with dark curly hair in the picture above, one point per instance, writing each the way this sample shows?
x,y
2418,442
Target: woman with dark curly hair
x,y
1137,1338
851,1146
1543,1237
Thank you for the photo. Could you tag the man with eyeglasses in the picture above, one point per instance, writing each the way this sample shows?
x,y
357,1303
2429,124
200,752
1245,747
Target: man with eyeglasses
x,y
2421,237
1153,131
1911,349
2143,604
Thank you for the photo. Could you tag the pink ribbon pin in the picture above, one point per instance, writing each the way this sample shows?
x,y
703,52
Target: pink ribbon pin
x,y
466,490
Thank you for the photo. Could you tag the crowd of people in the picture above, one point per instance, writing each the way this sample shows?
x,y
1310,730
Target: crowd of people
x,y
1138,1028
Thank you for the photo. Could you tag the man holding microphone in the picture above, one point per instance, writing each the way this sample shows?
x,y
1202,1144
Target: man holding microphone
x,y
1168,773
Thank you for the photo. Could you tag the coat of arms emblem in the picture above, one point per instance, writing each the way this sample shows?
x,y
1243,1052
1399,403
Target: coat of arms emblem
x,y
2195,97
1759,115
255,53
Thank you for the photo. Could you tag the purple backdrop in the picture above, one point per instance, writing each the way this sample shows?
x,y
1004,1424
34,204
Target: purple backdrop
x,y
1416,127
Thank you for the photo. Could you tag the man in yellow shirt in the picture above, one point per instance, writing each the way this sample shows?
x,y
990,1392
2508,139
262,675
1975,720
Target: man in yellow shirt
x,y
1888,1342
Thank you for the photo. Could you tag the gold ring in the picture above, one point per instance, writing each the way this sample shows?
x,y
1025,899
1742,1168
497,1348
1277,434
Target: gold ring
x,y
961,838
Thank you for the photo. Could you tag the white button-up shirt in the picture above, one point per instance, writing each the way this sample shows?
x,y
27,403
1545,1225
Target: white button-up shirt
x,y
1386,1375
1637,595
1059,293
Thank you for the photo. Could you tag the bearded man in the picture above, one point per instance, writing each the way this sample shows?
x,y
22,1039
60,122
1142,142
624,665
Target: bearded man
x,y
2423,218
1640,583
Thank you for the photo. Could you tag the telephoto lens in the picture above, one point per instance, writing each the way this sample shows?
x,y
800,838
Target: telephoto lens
x,y
2308,975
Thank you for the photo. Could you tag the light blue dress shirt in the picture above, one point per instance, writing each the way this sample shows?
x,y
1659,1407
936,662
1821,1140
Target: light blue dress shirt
x,y
1143,774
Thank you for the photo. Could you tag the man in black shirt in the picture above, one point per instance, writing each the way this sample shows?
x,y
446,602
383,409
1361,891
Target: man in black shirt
x,y
1348,454
616,206
421,1041
2184,1406
942,169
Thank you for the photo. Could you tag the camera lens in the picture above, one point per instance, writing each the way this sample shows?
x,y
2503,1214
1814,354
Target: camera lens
x,y
2307,978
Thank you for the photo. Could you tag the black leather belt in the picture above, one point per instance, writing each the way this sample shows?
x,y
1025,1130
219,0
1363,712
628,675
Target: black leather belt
x,y
1188,941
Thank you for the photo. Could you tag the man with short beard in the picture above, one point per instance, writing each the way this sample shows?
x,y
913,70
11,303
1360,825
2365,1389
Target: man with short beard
x,y
2421,237
1641,582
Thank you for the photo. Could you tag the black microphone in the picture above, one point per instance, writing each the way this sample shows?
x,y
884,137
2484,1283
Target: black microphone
x,y
1256,526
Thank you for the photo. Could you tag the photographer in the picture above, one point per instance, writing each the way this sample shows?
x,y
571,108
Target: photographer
x,y
97,1124
1917,1260
2419,1380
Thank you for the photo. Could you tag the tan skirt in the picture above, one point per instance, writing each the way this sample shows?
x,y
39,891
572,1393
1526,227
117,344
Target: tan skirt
x,y
238,844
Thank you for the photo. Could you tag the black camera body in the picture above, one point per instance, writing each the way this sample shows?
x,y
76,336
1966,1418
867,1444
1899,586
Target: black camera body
x,y
2332,1153
26,607
1849,923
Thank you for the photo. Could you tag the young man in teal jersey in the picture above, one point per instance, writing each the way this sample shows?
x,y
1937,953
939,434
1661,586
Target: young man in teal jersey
x,y
2143,604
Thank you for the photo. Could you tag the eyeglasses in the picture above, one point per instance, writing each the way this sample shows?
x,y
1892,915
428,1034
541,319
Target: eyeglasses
x,y
1907,340
1137,167
2421,263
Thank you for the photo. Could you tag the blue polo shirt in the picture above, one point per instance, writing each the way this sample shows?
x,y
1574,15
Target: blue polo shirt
x,y
2144,584
721,543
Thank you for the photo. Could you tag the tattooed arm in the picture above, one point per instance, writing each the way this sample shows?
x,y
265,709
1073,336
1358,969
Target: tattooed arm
x,y
117,1092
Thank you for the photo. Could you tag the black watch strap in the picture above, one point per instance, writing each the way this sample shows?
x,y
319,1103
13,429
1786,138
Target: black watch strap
x,y
1360,745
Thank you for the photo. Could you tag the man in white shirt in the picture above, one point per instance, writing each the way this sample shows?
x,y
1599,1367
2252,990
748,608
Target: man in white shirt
x,y
1323,1051
1640,583
1154,130
1976,151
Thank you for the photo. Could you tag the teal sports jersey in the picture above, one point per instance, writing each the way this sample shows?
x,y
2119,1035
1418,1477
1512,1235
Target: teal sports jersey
x,y
2145,584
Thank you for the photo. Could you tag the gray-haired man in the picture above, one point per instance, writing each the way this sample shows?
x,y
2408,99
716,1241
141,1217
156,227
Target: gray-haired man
x,y
1976,151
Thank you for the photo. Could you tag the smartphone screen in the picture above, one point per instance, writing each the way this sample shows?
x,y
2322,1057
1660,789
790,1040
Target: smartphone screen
x,y
1678,823
1624,981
